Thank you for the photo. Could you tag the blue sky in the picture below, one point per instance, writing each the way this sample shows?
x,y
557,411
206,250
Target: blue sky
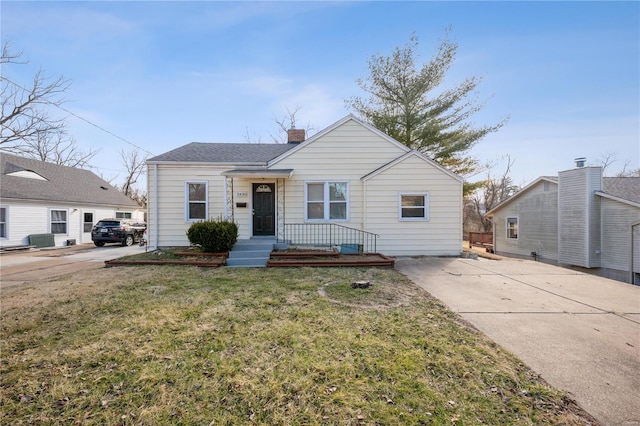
x,y
163,74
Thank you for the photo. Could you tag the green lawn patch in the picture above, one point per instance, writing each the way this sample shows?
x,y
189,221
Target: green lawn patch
x,y
184,345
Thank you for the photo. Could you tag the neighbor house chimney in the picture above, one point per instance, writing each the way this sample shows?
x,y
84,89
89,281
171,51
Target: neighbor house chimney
x,y
295,135
580,161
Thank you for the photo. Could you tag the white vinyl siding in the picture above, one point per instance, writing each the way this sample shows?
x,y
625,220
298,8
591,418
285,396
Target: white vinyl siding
x,y
579,216
197,200
327,201
58,221
636,251
512,228
537,213
617,219
412,206
31,217
172,201
345,154
441,235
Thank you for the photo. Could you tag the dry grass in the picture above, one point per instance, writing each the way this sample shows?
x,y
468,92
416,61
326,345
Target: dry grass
x,y
182,345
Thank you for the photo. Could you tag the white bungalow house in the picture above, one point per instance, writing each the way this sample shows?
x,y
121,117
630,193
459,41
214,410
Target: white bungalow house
x,y
349,185
39,198
578,218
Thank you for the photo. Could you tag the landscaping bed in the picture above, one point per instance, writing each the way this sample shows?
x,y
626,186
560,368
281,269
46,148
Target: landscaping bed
x,y
285,259
173,256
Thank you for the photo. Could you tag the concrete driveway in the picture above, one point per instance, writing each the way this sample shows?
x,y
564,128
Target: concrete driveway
x,y
580,332
19,267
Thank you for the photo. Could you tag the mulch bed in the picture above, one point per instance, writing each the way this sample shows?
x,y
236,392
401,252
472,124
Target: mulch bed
x,y
279,259
327,259
303,254
208,263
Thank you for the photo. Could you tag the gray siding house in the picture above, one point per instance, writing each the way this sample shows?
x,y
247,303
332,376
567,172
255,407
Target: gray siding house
x,y
44,198
578,218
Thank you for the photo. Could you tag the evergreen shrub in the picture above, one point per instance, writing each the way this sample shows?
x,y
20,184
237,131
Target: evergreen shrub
x,y
213,235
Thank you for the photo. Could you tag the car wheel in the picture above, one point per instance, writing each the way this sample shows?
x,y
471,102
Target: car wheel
x,y
98,243
128,240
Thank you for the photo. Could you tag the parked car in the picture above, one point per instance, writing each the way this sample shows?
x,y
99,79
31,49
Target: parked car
x,y
123,231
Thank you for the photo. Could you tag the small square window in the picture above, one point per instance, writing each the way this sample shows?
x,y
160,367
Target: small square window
x,y
414,207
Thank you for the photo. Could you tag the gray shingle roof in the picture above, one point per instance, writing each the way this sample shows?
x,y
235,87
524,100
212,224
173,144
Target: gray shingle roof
x,y
62,184
228,153
627,188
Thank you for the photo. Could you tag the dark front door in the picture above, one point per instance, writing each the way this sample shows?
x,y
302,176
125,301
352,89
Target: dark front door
x,y
264,209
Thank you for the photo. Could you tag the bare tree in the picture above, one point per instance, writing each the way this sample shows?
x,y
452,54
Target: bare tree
x,y
288,122
628,173
492,192
57,148
249,139
606,160
26,126
134,162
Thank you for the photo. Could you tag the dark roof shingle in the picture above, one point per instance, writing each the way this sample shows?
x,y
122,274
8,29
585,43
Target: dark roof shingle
x,y
62,184
228,153
627,188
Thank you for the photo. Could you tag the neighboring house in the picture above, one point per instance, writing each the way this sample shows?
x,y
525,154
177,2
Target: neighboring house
x,y
347,183
578,218
44,198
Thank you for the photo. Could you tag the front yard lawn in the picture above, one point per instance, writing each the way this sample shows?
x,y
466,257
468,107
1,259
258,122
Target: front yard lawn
x,y
183,345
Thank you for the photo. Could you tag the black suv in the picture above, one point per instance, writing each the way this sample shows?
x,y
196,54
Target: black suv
x,y
123,231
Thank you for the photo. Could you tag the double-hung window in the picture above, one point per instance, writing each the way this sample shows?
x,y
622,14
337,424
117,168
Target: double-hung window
x,y
58,221
327,201
512,228
197,201
3,222
414,206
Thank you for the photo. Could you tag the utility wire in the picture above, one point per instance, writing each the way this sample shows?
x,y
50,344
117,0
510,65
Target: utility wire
x,y
81,118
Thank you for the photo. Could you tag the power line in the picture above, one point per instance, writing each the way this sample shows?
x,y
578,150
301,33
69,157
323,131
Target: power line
x,y
81,118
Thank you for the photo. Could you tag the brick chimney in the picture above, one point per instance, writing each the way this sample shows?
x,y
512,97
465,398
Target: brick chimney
x,y
295,136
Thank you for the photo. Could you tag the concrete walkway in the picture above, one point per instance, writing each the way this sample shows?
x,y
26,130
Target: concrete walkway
x,y
580,332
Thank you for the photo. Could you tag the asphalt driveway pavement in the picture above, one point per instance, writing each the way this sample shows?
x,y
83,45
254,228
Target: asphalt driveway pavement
x,y
580,332
21,267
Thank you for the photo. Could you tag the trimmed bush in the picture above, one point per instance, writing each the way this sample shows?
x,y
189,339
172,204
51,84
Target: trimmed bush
x,y
213,235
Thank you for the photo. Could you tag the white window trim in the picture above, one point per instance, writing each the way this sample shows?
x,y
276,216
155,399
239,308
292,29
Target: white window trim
x,y
6,222
327,204
124,214
506,227
414,219
67,221
93,221
186,200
